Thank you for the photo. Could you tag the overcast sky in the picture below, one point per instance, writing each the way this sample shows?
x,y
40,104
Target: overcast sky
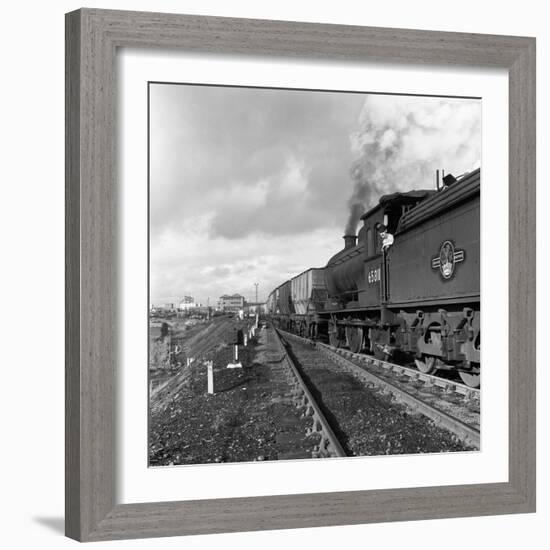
x,y
255,185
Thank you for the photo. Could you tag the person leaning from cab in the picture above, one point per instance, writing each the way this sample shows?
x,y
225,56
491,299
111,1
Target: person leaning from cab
x,y
385,237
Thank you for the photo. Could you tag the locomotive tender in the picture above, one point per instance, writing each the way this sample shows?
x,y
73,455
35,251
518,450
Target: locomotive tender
x,y
418,299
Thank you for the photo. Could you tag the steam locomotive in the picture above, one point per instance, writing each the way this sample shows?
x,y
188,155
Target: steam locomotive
x,y
412,296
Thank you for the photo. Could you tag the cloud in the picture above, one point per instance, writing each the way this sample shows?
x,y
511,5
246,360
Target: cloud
x,y
250,157
221,267
254,185
401,142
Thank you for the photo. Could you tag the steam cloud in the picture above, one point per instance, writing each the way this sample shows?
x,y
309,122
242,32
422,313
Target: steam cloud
x,y
401,142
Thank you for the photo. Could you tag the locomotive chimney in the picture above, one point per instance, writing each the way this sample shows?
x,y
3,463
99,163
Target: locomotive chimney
x,y
350,241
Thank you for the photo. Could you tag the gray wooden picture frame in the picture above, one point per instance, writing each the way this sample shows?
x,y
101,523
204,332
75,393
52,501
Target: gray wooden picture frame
x,y
92,39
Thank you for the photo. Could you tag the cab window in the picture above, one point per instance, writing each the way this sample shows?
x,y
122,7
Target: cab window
x,y
368,242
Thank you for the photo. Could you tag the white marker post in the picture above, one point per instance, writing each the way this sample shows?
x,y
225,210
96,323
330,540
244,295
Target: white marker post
x,y
210,371
236,364
245,340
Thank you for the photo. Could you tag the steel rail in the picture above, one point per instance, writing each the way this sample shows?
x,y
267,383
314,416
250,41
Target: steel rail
x,y
464,432
431,379
329,444
447,385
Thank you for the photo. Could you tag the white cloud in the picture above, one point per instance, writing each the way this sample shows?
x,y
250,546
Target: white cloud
x,y
253,185
403,140
224,266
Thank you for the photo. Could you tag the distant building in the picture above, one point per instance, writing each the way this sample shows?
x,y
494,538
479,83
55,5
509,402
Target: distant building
x,y
187,303
231,303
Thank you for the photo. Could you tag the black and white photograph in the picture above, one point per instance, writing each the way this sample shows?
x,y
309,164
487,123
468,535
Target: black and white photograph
x,y
314,274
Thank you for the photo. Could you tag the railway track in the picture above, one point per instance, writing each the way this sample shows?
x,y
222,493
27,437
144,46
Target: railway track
x,y
449,405
328,445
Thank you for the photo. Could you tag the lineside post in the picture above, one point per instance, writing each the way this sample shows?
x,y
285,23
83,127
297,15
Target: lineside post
x,y
210,374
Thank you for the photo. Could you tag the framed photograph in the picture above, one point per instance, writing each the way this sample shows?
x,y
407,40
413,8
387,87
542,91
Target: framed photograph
x,y
283,242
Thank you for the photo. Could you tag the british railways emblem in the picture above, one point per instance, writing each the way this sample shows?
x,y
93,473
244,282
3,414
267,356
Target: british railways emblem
x,y
447,259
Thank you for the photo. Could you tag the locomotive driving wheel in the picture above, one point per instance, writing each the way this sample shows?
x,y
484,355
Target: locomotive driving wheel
x,y
428,366
471,378
354,337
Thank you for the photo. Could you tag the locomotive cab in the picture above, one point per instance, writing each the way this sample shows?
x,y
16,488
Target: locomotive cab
x,y
386,213
356,277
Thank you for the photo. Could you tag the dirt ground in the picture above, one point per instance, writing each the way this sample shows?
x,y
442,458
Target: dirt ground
x,y
250,417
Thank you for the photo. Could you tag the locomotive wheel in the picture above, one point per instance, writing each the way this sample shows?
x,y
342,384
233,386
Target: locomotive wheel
x,y
427,366
472,379
355,338
334,336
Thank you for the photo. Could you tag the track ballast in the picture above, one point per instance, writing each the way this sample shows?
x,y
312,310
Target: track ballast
x,y
376,407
